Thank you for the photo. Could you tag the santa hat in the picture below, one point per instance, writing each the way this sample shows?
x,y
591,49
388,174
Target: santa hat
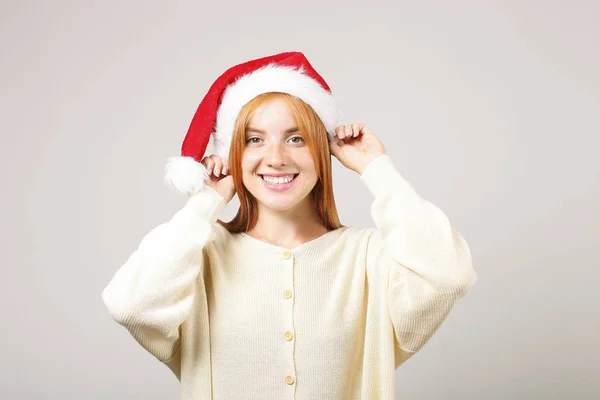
x,y
288,72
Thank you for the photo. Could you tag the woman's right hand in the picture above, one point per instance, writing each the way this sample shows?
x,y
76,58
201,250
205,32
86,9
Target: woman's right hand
x,y
219,180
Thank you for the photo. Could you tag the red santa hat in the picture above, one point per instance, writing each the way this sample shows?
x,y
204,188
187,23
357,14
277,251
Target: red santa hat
x,y
288,72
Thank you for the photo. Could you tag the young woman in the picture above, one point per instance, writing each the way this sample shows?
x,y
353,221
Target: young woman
x,y
283,301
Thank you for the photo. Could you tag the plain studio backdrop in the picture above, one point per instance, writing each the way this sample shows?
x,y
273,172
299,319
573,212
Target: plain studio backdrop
x,y
491,109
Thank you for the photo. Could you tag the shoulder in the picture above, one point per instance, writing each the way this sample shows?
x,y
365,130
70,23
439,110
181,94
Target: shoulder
x,y
369,240
365,246
220,235
357,233
359,239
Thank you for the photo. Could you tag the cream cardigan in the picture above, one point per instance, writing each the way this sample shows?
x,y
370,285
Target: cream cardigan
x,y
235,317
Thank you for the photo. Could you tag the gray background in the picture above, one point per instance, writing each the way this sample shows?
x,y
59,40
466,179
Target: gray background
x,y
489,108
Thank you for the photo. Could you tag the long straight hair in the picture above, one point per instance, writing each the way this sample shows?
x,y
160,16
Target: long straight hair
x,y
314,134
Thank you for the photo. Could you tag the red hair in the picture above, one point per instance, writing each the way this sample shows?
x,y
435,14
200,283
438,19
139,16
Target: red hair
x,y
315,136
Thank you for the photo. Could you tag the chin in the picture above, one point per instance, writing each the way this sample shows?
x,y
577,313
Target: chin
x,y
278,202
276,207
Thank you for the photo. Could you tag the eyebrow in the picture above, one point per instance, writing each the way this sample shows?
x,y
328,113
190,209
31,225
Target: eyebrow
x,y
291,130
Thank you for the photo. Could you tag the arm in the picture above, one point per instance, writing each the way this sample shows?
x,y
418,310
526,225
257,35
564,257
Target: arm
x,y
428,264
153,292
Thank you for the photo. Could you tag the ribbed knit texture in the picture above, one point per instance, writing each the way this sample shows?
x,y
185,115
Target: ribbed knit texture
x,y
235,317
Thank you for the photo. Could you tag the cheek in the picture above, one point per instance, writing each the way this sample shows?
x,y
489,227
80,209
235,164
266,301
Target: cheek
x,y
305,161
250,163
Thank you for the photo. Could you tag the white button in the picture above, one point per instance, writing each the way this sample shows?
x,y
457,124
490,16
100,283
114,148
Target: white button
x,y
289,380
288,336
287,254
287,294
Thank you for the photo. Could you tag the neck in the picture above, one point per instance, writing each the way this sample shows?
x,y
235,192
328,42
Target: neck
x,y
288,228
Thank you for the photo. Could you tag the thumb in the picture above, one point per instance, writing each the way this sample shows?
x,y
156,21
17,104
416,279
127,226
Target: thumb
x,y
335,147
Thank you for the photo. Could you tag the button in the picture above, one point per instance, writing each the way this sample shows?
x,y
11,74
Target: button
x,y
288,336
289,380
287,294
287,254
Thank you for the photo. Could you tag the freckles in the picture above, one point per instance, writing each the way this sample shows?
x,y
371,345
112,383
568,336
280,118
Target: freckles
x,y
250,161
305,159
253,157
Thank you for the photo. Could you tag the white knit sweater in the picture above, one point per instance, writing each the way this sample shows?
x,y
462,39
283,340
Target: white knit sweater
x,y
235,317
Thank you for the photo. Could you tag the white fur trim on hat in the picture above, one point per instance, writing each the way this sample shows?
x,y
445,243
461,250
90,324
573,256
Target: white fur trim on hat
x,y
270,78
185,174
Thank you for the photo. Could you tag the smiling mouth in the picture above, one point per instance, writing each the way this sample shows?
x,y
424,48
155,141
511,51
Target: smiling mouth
x,y
294,176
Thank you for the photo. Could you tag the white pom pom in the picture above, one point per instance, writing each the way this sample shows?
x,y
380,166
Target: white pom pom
x,y
185,175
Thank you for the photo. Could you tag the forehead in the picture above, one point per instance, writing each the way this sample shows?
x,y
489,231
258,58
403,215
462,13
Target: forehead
x,y
273,114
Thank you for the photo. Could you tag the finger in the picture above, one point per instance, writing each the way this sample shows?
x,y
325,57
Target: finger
x,y
209,164
355,130
334,146
218,167
348,130
340,131
217,164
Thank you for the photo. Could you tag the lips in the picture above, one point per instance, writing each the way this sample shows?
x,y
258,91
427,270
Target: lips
x,y
279,176
279,187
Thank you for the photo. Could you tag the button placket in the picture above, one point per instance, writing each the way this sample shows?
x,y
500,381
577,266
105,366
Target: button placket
x,y
288,334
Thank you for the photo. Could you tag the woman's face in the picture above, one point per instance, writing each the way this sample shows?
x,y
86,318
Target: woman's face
x,y
278,168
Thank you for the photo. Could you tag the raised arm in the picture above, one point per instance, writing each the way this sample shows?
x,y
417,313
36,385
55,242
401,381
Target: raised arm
x,y
153,292
428,263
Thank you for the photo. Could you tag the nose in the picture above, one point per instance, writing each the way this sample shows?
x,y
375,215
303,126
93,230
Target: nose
x,y
275,155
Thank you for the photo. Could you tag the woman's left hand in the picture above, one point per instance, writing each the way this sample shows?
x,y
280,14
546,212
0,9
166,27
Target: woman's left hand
x,y
355,146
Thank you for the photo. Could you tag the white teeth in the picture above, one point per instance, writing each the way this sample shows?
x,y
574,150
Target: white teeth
x,y
278,181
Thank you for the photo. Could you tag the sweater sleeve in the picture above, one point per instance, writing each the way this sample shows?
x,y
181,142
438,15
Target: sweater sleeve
x,y
153,291
427,263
